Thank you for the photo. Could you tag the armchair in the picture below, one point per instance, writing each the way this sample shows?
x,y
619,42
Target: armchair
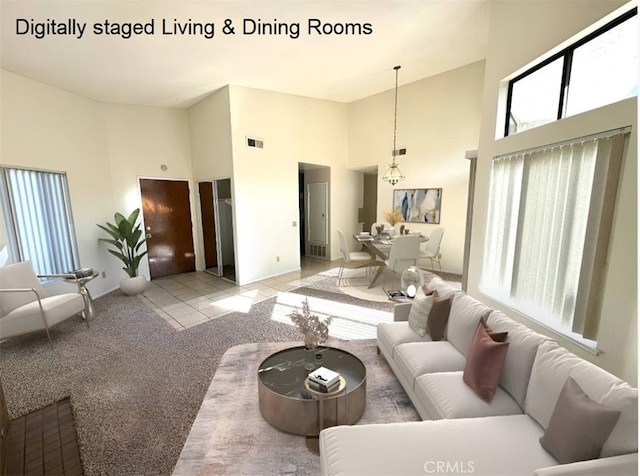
x,y
24,305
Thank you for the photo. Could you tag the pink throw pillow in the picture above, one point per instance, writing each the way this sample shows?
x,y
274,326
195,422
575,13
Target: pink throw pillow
x,y
485,361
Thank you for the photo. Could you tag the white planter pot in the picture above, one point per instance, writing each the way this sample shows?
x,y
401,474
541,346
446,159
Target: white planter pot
x,y
133,286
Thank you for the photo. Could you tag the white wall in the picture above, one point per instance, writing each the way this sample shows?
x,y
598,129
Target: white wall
x,y
438,120
46,128
561,20
103,148
265,181
139,141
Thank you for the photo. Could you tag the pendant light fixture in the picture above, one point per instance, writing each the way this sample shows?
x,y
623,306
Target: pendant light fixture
x,y
393,175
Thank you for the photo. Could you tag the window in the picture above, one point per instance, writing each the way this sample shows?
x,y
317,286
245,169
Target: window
x,y
600,69
549,217
38,218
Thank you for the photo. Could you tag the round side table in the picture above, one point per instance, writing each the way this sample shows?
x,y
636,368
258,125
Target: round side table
x,y
313,442
88,313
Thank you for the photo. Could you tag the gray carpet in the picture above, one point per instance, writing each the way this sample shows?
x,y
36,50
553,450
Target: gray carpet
x,y
135,384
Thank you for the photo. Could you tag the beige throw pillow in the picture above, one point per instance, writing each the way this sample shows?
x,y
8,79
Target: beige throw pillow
x,y
419,313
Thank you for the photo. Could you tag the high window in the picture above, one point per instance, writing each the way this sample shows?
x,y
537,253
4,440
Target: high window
x,y
550,213
600,69
38,219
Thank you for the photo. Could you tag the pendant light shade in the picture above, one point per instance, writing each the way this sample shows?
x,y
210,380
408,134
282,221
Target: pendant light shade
x,y
393,175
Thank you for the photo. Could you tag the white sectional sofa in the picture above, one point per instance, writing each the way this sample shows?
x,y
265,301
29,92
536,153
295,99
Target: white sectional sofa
x,y
463,434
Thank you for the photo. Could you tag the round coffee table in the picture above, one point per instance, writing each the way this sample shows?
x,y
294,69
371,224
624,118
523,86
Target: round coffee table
x,y
287,405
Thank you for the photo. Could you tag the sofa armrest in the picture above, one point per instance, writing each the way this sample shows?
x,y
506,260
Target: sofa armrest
x,y
401,311
623,465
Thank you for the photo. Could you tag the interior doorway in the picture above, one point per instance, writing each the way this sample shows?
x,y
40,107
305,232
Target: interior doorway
x,y
314,190
367,214
216,215
166,213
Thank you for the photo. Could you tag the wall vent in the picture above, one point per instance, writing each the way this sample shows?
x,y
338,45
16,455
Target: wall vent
x,y
399,151
253,142
318,251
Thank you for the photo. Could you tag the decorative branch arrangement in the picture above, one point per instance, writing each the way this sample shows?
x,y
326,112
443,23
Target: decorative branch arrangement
x,y
393,216
314,330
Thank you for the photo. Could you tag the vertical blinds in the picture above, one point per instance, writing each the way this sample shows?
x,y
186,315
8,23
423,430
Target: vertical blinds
x,y
549,219
41,228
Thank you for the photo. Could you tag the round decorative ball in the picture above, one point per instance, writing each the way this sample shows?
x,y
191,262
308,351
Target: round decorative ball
x,y
412,279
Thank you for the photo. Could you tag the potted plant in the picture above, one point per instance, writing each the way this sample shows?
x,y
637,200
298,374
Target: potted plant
x,y
127,239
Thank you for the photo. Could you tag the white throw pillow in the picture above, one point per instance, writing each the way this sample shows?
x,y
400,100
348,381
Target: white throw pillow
x,y
419,313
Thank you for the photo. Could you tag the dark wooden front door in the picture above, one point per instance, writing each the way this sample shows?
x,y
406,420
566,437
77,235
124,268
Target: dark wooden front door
x,y
208,224
167,218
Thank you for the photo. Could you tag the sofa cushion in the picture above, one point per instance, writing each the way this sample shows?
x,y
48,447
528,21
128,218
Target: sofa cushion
x,y
496,446
392,334
483,367
444,289
578,427
552,367
464,316
438,317
523,344
415,359
419,313
445,395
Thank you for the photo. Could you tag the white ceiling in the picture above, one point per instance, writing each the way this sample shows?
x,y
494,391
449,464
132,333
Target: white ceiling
x,y
426,37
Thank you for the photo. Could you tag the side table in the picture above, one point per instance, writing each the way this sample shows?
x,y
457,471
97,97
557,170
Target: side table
x,y
88,312
313,441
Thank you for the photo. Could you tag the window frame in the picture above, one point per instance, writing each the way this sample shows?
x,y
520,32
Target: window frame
x,y
567,54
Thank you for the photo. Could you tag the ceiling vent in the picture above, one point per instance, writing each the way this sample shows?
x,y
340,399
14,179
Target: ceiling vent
x,y
399,151
253,142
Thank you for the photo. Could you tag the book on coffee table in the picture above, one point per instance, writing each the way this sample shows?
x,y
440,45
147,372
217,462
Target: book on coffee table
x,y
324,376
321,387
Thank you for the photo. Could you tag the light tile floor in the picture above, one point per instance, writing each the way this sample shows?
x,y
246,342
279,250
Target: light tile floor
x,y
189,299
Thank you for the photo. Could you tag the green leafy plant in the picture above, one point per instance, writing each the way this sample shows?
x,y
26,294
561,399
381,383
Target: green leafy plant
x,y
126,238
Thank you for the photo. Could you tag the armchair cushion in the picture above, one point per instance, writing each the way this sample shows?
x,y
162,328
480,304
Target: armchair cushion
x,y
18,275
20,311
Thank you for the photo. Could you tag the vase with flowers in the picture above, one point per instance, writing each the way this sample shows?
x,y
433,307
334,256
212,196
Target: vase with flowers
x,y
393,216
314,330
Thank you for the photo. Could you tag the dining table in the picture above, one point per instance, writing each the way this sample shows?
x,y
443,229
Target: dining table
x,y
378,246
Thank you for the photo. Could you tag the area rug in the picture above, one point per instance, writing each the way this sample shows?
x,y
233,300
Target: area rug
x,y
355,284
230,437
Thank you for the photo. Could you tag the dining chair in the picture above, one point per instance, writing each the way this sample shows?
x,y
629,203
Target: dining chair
x,y
24,305
432,249
349,256
404,252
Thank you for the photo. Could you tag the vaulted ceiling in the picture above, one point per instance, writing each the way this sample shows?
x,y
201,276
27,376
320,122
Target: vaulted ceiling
x,y
335,50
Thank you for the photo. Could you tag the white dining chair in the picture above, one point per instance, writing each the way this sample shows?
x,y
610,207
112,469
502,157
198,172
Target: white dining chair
x,y
349,256
404,252
431,250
